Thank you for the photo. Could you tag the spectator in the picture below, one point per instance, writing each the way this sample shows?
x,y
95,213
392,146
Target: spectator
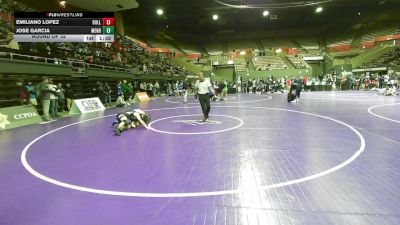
x,y
12,43
119,88
142,86
156,88
121,101
150,89
106,94
53,110
69,95
44,95
22,92
130,91
32,94
97,91
61,97
224,90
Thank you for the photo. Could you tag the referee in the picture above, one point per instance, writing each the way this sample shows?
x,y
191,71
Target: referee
x,y
203,91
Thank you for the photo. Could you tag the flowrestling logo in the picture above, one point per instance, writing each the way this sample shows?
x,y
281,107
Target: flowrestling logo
x,y
3,121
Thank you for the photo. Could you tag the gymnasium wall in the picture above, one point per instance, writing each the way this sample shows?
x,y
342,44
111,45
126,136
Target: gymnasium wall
x,y
223,73
318,67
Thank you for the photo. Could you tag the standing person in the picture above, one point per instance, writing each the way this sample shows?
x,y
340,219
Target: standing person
x,y
23,94
150,89
381,80
203,90
224,90
131,92
61,97
169,89
125,90
156,88
245,83
53,99
69,95
185,87
299,87
254,86
142,86
176,88
106,94
44,95
97,92
289,83
119,89
32,94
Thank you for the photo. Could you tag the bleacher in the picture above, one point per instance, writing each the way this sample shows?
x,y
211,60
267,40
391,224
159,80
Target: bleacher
x,y
339,40
388,59
379,32
214,48
220,60
395,64
347,54
240,45
277,42
308,43
240,64
268,63
298,62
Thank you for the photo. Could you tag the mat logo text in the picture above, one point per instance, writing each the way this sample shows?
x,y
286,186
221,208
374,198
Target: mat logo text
x,y
196,122
90,105
25,115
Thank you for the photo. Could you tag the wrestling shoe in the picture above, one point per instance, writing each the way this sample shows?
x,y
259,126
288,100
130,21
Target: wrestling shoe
x,y
117,131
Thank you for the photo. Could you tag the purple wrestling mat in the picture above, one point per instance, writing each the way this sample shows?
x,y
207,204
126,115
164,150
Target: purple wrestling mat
x,y
332,158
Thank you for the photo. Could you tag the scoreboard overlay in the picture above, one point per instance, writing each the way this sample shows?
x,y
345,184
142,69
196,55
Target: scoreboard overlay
x,y
64,26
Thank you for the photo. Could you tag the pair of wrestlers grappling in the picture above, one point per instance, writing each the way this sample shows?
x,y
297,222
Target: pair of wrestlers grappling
x,y
130,119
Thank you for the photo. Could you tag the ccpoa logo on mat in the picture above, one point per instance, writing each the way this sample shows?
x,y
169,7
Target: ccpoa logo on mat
x,y
197,122
26,115
3,121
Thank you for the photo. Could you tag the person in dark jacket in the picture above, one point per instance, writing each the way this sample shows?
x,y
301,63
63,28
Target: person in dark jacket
x,y
44,95
106,94
69,95
299,87
98,90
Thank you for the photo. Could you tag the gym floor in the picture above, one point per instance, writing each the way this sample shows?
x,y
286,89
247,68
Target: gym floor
x,y
332,158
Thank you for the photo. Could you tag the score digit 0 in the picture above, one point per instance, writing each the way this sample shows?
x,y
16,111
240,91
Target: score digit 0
x,y
108,30
108,21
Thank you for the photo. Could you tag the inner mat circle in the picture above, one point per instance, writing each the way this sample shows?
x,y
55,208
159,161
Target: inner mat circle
x,y
194,125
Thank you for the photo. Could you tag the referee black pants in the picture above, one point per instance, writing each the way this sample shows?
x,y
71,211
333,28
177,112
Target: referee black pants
x,y
204,100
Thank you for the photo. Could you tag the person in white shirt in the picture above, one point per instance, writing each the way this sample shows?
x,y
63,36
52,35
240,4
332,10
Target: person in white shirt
x,y
156,88
121,101
53,99
203,90
185,87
